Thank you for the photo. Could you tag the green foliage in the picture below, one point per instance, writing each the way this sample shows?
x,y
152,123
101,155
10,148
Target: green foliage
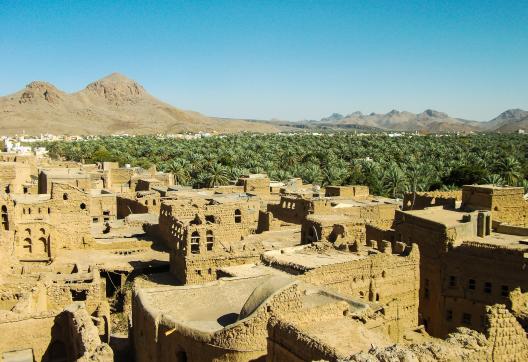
x,y
389,166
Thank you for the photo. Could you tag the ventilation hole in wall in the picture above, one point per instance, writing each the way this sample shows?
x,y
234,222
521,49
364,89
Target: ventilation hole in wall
x,y
83,206
65,196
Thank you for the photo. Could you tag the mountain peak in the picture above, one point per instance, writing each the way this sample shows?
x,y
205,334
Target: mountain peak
x,y
38,91
515,113
433,113
117,89
116,77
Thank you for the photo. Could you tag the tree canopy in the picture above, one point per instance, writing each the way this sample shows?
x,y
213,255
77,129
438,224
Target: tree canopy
x,y
389,166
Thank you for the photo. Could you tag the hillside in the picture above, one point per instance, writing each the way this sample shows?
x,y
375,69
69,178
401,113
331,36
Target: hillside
x,y
429,120
509,121
112,105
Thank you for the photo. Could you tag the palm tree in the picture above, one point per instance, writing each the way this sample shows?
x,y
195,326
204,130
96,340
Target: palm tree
x,y
215,175
312,174
419,177
510,170
334,175
494,179
394,181
179,170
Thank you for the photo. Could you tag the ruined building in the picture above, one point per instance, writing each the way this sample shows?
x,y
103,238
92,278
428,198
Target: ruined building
x,y
102,262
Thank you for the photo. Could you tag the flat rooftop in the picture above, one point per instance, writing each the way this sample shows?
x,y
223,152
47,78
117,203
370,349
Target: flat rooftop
x,y
492,187
124,259
439,215
306,257
231,198
514,242
65,173
285,236
328,219
346,335
214,305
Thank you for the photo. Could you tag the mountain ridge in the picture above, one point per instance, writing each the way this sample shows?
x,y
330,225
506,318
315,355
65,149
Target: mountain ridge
x,y
113,104
116,104
430,121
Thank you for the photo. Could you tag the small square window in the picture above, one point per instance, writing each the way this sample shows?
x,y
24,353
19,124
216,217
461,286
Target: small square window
x,y
471,284
466,319
452,281
505,291
487,288
426,293
449,315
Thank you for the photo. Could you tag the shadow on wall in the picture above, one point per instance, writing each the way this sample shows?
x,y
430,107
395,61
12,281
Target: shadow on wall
x,y
57,350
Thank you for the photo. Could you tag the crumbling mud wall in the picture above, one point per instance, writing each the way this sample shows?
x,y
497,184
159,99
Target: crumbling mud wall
x,y
422,200
83,341
381,278
161,337
507,204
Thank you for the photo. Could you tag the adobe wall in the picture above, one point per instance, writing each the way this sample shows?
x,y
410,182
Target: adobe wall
x,y
255,185
341,233
35,229
81,181
103,207
202,269
219,218
119,179
422,200
158,337
507,204
22,332
466,270
376,233
70,216
84,343
292,209
138,204
355,191
449,264
70,335
288,341
14,175
380,278
433,239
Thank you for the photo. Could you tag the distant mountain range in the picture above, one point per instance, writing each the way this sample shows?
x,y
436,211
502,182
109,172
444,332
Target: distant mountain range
x,y
430,121
116,105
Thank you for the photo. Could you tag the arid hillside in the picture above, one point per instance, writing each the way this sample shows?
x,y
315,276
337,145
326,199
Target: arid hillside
x,y
429,120
112,105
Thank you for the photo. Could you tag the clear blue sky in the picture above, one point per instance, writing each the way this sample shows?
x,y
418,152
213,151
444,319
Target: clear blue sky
x,y
283,59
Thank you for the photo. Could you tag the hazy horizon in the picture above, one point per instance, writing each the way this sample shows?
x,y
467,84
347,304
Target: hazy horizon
x,y
285,60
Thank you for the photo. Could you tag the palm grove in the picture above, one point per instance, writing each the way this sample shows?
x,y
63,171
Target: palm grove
x,y
389,166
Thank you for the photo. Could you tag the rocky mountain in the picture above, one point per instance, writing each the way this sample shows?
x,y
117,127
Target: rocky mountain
x,y
509,121
429,120
112,105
